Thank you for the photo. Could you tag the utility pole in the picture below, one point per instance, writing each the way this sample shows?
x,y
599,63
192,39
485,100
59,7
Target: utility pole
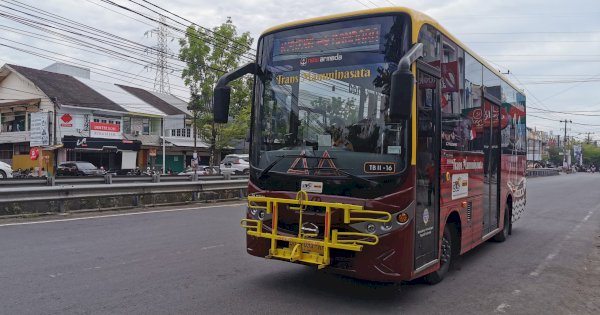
x,y
565,140
589,139
194,107
161,80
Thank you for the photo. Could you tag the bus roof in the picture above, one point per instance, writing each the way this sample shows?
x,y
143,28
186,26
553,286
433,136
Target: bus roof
x,y
418,20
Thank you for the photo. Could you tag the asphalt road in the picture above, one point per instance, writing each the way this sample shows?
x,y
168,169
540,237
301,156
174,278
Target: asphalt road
x,y
194,262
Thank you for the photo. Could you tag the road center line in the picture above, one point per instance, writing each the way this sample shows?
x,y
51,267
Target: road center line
x,y
211,247
121,215
555,252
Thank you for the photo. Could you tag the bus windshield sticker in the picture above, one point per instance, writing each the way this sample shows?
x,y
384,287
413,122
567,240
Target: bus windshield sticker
x,y
379,167
460,185
311,187
394,149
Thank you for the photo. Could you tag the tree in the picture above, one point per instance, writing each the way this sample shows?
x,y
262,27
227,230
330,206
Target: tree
x,y
208,55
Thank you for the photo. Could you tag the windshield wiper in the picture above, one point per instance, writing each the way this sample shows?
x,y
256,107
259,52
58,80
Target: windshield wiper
x,y
348,174
267,169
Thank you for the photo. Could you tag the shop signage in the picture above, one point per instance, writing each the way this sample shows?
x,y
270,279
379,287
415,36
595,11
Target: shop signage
x,y
66,120
34,153
105,130
39,129
73,142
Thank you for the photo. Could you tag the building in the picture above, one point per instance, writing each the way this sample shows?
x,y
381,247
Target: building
x,y
537,145
115,126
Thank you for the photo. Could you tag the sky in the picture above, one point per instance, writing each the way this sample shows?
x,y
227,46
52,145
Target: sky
x,y
551,49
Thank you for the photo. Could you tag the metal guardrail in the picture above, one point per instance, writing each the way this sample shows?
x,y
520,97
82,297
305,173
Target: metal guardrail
x,y
533,172
107,179
48,193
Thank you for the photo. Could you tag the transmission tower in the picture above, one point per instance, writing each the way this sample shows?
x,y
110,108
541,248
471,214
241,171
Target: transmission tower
x,y
162,51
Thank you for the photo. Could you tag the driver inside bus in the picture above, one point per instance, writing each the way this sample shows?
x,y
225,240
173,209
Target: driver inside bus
x,y
339,138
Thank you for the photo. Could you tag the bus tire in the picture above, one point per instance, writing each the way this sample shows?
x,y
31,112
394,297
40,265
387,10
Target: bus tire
x,y
448,253
503,234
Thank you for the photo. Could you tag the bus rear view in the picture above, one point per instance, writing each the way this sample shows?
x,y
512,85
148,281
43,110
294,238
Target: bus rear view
x,y
333,177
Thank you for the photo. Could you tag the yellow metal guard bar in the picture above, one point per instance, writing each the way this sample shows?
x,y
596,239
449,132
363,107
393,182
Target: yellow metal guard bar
x,y
304,247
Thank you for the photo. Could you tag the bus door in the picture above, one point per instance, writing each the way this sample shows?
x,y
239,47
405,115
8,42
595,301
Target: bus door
x,y
427,168
491,163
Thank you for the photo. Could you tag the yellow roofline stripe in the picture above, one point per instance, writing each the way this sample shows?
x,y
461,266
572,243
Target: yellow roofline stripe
x,y
418,20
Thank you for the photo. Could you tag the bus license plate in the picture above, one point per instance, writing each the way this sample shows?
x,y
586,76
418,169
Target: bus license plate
x,y
310,247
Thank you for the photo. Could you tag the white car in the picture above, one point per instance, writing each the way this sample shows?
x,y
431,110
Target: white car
x,y
5,170
239,163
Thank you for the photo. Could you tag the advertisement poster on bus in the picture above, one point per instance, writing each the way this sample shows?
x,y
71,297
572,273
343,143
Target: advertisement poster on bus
x,y
486,116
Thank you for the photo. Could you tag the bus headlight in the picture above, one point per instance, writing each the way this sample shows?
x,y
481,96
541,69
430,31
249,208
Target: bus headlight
x,y
253,211
370,228
261,214
386,226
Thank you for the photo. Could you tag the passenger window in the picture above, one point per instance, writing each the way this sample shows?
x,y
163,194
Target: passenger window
x,y
456,132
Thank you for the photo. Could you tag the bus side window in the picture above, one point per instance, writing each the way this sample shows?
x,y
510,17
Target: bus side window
x,y
457,127
472,100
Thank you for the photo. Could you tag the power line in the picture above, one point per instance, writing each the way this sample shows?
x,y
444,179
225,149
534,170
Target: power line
x,y
119,13
581,124
202,27
215,41
560,112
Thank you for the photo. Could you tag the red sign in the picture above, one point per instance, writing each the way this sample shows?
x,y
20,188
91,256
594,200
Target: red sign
x,y
488,115
34,153
450,77
105,127
66,120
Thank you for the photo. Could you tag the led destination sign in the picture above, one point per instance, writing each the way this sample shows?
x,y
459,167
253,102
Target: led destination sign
x,y
346,39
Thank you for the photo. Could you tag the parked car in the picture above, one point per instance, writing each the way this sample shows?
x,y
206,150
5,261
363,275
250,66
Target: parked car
x,y
78,168
5,170
239,163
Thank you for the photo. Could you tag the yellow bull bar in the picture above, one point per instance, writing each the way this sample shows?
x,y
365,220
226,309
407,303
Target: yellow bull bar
x,y
304,247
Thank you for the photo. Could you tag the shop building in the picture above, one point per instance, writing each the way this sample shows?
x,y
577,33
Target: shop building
x,y
113,126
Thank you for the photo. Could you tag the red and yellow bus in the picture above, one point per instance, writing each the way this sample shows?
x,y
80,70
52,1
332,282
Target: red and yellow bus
x,y
381,146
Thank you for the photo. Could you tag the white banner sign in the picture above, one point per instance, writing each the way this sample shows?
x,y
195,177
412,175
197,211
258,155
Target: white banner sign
x,y
39,129
174,122
105,130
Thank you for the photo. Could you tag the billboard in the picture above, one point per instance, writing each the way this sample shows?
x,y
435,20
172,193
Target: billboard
x,y
105,130
39,129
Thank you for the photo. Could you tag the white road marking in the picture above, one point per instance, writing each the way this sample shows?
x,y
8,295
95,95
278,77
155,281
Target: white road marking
x,y
121,215
211,247
555,252
501,307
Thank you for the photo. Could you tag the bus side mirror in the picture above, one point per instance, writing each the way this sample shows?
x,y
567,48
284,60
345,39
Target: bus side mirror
x,y
222,92
221,104
402,85
401,94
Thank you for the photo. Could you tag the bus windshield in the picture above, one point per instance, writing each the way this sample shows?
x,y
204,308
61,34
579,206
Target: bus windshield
x,y
321,105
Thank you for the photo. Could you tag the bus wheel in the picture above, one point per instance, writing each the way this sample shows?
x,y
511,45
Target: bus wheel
x,y
447,254
503,235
